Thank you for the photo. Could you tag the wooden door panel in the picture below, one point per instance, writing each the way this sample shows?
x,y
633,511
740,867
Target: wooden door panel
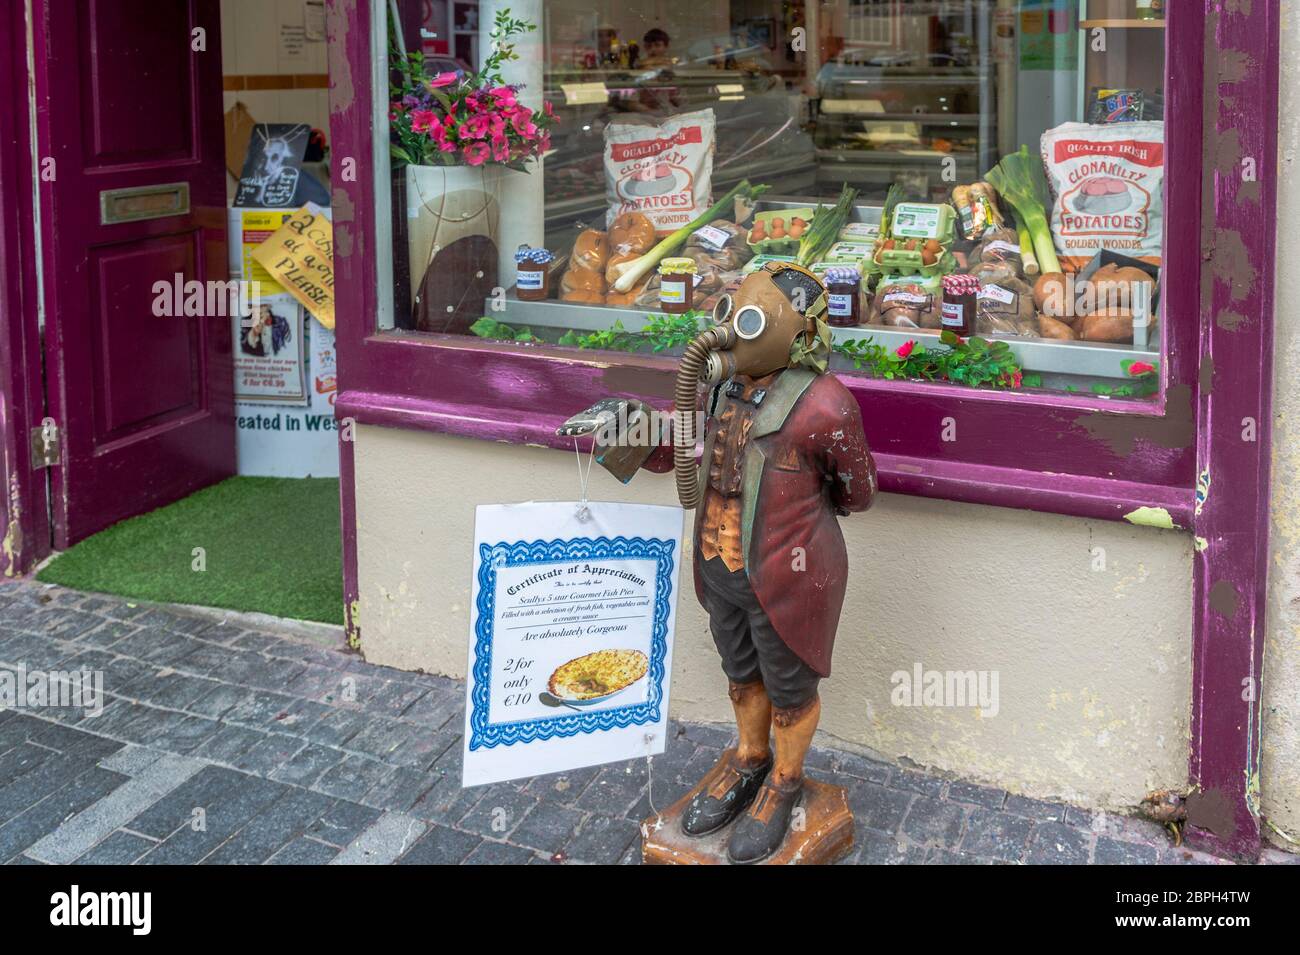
x,y
137,84
144,401
129,336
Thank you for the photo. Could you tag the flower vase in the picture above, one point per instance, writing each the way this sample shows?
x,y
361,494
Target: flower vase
x,y
463,226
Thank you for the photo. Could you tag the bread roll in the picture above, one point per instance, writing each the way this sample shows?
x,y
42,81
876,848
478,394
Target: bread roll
x,y
624,299
633,233
584,297
591,251
582,280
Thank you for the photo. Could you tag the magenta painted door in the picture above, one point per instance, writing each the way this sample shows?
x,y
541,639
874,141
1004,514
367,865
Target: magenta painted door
x,y
132,192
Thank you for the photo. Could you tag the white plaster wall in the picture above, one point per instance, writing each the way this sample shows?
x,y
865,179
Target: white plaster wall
x,y
250,45
1280,770
1088,624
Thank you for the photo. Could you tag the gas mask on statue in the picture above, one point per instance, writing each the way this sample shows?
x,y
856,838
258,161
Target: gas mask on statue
x,y
771,322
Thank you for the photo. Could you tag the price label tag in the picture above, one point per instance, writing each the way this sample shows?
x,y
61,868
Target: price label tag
x,y
712,237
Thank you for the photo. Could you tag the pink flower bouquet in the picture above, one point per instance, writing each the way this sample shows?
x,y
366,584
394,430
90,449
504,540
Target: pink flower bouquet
x,y
461,118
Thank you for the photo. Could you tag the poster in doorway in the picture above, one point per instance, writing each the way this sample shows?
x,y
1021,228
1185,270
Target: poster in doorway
x,y
273,176
270,354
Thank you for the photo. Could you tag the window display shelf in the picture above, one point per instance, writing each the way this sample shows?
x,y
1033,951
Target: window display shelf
x,y
1074,359
1122,24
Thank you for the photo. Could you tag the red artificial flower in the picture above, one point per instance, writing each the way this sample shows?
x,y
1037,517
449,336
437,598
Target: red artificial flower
x,y
476,127
905,349
425,121
523,124
1140,368
500,149
444,79
476,154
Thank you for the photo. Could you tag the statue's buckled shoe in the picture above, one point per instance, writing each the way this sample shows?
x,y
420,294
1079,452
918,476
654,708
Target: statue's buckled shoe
x,y
762,830
726,799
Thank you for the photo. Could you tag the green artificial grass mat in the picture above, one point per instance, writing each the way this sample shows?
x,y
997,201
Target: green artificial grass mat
x,y
269,544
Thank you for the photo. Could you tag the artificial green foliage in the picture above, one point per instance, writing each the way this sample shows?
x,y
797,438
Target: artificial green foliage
x,y
1144,381
661,333
975,362
490,328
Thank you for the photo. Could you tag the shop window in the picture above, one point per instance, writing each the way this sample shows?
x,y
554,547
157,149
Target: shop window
x,y
1018,143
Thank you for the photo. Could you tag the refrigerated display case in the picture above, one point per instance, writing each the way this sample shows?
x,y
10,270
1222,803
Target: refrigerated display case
x,y
894,113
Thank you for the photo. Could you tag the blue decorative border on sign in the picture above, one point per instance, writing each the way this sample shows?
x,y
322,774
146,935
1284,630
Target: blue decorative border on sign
x,y
492,557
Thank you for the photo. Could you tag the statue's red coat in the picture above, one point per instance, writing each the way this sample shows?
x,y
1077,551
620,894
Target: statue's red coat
x,y
817,465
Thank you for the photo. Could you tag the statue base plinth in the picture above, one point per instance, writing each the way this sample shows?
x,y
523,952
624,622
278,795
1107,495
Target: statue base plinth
x,y
826,836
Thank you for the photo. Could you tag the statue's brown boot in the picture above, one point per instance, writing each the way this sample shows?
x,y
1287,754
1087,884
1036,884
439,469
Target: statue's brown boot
x,y
761,831
739,782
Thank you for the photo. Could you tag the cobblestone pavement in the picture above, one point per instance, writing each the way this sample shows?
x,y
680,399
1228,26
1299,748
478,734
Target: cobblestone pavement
x,y
222,742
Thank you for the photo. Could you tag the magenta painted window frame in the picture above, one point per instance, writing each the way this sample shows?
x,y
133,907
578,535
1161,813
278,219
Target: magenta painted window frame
x,y
1068,454
1071,454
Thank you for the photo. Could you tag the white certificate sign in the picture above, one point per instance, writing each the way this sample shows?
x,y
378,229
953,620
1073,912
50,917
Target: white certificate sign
x,y
571,636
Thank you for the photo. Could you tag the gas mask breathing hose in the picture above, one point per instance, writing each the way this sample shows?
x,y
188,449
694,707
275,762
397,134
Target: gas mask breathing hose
x,y
702,358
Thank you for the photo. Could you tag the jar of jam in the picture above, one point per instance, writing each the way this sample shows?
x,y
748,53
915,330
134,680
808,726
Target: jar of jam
x,y
843,296
533,274
960,297
677,285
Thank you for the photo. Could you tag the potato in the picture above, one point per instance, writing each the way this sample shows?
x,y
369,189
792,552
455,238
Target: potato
x,y
1107,325
1049,327
1118,288
1131,273
1050,286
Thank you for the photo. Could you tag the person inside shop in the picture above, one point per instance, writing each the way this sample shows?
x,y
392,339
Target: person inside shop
x,y
654,46
656,90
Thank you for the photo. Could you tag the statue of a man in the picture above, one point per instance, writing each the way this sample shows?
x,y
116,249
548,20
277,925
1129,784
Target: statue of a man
x,y
784,454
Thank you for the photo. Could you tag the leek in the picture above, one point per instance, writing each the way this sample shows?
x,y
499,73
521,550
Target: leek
x,y
893,197
630,273
1028,262
1017,181
825,227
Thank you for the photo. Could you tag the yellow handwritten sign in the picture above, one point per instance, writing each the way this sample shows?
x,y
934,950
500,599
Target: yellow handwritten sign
x,y
300,256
